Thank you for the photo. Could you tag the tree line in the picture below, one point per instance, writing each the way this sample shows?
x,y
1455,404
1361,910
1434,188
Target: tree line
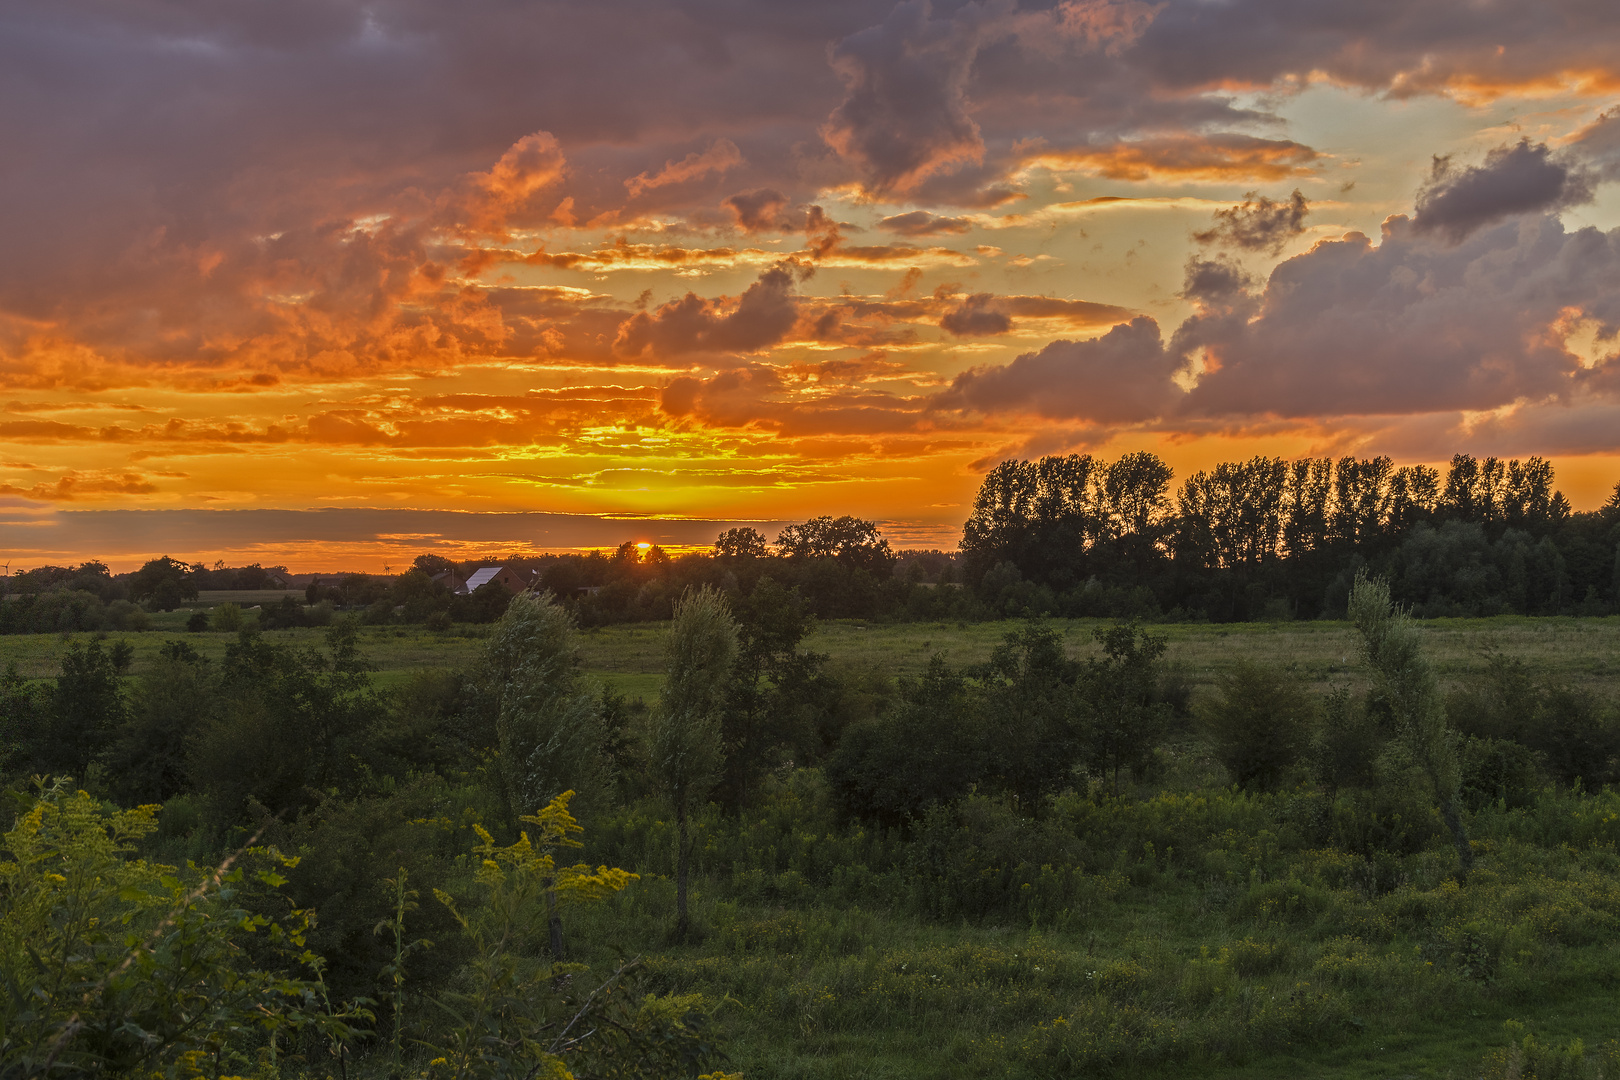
x,y
1067,535
1269,538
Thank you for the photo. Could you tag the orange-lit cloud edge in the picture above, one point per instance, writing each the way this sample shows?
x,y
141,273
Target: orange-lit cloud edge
x,y
653,338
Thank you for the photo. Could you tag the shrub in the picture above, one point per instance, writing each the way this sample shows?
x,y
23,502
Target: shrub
x,y
1260,723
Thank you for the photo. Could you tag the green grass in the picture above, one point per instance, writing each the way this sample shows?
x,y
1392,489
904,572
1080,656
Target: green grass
x,y
1579,651
829,977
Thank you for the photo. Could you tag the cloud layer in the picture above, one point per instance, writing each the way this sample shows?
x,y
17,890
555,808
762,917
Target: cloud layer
x,y
671,252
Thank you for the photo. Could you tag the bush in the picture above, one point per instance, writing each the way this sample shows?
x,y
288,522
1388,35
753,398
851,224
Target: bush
x,y
1259,724
226,617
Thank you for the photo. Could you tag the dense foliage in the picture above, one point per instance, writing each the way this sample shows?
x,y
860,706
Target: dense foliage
x,y
1049,862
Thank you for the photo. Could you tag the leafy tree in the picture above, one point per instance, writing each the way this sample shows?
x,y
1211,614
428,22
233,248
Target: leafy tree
x,y
1408,685
685,754
118,967
431,564
171,701
1345,751
777,698
858,544
930,748
1260,723
291,723
547,722
1029,697
1122,719
163,583
86,707
24,719
741,543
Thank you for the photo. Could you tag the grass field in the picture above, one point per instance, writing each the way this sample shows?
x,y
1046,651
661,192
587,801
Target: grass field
x,y
1578,651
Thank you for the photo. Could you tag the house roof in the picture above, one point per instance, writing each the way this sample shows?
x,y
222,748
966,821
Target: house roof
x,y
483,575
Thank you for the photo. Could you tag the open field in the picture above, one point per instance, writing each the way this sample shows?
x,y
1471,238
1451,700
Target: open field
x,y
1578,651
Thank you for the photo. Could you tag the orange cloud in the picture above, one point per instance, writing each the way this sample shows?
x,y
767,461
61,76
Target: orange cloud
x,y
723,155
1211,158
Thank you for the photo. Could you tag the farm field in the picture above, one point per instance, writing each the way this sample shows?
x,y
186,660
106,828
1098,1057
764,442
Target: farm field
x,y
629,657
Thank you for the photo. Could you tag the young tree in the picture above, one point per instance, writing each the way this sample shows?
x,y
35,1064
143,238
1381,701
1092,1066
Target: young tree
x,y
1032,739
1122,723
684,749
1408,685
1260,724
547,722
777,698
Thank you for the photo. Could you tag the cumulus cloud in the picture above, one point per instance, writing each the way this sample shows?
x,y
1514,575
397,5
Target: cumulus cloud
x,y
532,164
1599,144
980,315
1121,377
763,210
762,316
1258,223
906,113
1409,326
1519,179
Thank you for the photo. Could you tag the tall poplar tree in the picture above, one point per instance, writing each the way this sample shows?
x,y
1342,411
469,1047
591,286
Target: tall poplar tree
x,y
684,743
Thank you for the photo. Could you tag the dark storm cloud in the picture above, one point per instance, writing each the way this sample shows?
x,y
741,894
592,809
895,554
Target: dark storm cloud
x,y
1519,179
762,316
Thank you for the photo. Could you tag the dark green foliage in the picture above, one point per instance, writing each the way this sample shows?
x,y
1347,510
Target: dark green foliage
x,y
929,748
163,584
1032,716
485,604
1345,752
24,720
171,701
780,708
1121,719
291,724
1573,735
847,540
287,613
86,708
348,848
1498,771
1259,723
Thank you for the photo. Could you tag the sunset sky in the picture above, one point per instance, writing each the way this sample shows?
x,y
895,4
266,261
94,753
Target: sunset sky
x,y
747,261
